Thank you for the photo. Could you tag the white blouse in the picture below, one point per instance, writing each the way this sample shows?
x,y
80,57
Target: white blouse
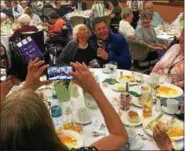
x,y
125,29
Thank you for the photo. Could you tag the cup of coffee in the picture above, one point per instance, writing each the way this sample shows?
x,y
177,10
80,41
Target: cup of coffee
x,y
83,114
132,136
172,105
106,68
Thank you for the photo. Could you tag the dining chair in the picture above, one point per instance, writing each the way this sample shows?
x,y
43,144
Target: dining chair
x,y
75,20
141,57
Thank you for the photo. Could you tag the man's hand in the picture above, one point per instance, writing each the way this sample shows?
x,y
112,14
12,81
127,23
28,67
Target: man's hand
x,y
102,54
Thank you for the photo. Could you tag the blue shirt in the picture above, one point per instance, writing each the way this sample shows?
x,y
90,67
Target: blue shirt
x,y
156,20
118,50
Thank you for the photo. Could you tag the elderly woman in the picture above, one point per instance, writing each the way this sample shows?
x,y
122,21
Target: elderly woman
x,y
173,63
145,33
4,18
35,19
26,108
24,21
80,49
125,28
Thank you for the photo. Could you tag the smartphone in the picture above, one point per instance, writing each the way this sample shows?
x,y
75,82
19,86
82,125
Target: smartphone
x,y
59,73
3,74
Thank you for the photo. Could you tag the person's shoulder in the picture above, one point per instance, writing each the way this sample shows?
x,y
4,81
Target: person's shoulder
x,y
117,37
156,14
175,47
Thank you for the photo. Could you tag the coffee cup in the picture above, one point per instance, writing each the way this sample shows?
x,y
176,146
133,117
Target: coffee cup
x,y
172,105
132,136
83,115
106,68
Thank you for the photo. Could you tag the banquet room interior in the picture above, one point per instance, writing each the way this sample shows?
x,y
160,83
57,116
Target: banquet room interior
x,y
89,75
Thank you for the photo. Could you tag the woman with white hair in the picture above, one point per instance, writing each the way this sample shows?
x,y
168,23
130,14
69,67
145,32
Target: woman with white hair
x,y
4,18
24,21
80,49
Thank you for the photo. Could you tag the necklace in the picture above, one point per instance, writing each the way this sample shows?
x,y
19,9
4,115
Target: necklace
x,y
83,47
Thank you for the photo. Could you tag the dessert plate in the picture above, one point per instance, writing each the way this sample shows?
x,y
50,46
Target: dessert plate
x,y
126,121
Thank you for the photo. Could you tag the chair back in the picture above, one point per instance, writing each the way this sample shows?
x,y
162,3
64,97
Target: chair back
x,y
75,20
138,50
19,64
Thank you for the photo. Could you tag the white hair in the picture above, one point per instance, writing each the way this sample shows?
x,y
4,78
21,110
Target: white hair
x,y
76,30
3,5
25,19
3,16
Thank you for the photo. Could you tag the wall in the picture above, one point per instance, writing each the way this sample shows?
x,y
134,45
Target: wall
x,y
168,12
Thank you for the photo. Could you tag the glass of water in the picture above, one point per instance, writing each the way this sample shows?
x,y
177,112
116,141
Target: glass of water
x,y
113,68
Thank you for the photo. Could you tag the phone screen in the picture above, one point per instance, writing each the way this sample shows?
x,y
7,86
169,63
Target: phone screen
x,y
3,74
59,73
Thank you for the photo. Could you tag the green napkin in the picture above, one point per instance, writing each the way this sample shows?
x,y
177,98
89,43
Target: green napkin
x,y
134,93
110,81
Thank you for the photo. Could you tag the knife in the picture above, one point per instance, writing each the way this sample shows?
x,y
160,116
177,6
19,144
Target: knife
x,y
155,119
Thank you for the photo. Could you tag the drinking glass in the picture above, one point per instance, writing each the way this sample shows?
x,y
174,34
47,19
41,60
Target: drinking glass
x,y
100,43
113,68
138,77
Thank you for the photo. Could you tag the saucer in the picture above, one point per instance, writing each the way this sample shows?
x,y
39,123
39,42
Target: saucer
x,y
164,109
107,71
138,144
84,122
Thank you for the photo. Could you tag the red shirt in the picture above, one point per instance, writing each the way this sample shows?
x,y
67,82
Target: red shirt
x,y
57,27
26,28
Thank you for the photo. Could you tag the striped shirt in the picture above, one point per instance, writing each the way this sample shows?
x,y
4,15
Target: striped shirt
x,y
98,10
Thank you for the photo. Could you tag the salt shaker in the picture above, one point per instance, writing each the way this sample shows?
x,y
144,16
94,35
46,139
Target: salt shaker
x,y
158,104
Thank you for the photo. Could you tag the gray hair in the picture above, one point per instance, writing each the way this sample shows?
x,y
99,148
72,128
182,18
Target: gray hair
x,y
25,19
76,30
146,14
126,12
3,16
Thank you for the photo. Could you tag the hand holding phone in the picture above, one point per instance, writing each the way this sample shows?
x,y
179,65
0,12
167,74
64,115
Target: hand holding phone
x,y
59,73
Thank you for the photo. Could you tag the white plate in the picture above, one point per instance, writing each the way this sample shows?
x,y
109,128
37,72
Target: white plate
x,y
115,87
138,145
83,123
127,123
125,79
74,135
164,109
136,102
148,120
179,91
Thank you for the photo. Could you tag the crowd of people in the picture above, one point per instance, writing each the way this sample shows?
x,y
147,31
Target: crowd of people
x,y
98,42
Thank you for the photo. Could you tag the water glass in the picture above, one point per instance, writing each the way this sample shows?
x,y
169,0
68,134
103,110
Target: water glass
x,y
138,77
113,68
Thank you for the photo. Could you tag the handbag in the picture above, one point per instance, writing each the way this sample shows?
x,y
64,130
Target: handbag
x,y
29,49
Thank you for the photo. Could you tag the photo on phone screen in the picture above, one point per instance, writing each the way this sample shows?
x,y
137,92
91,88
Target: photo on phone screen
x,y
3,74
59,73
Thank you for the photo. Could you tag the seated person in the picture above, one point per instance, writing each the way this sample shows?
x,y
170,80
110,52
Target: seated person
x,y
4,18
37,7
80,49
116,12
125,27
156,18
35,122
56,26
97,9
116,46
179,21
24,4
4,9
35,19
173,62
17,9
24,21
79,4
145,33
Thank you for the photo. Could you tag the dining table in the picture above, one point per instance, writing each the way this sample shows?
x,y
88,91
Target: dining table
x,y
165,35
147,142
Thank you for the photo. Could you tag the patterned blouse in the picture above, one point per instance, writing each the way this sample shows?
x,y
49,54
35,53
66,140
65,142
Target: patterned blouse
x,y
173,61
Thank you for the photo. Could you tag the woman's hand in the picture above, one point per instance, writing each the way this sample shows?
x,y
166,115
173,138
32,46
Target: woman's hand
x,y
84,78
161,138
35,70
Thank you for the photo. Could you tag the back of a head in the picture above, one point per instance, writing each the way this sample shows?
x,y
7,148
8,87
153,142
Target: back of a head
x,y
126,12
25,19
53,15
26,124
28,11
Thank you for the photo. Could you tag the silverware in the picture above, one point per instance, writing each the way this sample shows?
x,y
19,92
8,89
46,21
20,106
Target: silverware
x,y
98,133
145,138
155,119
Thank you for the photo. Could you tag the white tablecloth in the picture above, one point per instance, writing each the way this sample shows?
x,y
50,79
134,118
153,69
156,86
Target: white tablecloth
x,y
85,14
110,94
